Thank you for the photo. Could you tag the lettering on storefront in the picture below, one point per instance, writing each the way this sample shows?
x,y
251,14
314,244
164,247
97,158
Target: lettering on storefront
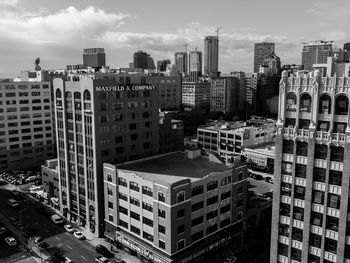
x,y
125,88
142,251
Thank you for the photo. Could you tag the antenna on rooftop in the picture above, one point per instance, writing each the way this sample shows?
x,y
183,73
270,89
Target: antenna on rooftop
x,y
217,31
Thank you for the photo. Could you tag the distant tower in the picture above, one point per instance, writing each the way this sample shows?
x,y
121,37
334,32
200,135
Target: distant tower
x,y
37,62
94,57
211,55
181,62
316,52
262,50
141,59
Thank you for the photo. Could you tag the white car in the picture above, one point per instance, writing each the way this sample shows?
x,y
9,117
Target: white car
x,y
69,228
79,235
230,259
11,241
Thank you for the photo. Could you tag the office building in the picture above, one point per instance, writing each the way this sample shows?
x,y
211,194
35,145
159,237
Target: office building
x,y
311,196
171,135
271,65
261,156
195,64
94,57
261,51
49,177
224,95
316,52
196,95
150,63
99,120
181,63
267,89
26,124
211,55
169,90
229,139
162,65
175,207
141,60
241,78
251,86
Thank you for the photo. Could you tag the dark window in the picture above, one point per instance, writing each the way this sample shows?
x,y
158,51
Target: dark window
x,y
284,209
284,230
295,254
332,223
197,221
337,154
335,177
315,240
339,127
135,215
212,229
212,185
321,151
316,218
197,236
212,214
197,190
304,124
180,213
299,192
305,103
319,174
161,213
297,234
300,170
341,105
283,249
161,197
225,195
180,229
147,221
123,224
330,245
298,213
302,148
288,146
334,201
323,126
161,229
197,206
324,105
317,197
161,244
212,200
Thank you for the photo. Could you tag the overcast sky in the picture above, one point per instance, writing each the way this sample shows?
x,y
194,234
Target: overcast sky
x,y
57,31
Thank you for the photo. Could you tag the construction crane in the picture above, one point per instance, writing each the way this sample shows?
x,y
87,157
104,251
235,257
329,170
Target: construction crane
x,y
217,31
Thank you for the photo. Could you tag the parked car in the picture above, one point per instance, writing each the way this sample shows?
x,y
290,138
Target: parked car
x,y
69,228
57,219
230,259
3,230
79,235
11,241
104,251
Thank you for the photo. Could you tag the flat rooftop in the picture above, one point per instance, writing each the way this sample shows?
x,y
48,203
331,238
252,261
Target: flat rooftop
x,y
173,167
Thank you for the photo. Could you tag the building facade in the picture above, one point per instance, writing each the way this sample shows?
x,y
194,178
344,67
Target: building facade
x,y
316,52
181,63
162,65
26,126
262,50
169,90
224,95
174,208
94,57
196,95
140,59
211,55
49,176
171,135
99,120
196,61
311,194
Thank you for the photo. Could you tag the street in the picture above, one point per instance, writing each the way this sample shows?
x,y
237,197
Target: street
x,y
58,239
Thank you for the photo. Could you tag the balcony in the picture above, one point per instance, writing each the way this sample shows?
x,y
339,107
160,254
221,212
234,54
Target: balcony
x,y
338,139
302,134
322,136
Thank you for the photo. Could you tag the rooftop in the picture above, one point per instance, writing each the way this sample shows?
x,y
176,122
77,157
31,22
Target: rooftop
x,y
173,167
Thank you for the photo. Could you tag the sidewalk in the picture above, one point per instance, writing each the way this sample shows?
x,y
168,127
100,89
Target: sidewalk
x,y
119,255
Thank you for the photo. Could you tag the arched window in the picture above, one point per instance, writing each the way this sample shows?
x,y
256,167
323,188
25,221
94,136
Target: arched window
x,y
87,95
325,105
77,95
58,93
305,103
180,197
68,94
291,103
341,105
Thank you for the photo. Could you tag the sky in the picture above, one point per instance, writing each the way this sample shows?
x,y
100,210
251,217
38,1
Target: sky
x,y
58,31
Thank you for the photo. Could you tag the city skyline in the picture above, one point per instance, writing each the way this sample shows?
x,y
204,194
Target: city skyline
x,y
36,29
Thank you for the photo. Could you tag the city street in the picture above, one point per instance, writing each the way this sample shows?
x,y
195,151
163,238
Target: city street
x,y
58,239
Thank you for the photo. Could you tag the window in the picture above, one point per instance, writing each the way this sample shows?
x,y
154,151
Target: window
x,y
297,234
212,185
324,105
315,240
212,214
197,236
134,201
110,205
123,210
161,229
135,216
147,207
323,126
341,105
302,148
332,223
298,213
319,174
339,127
197,206
123,196
180,197
135,230
321,151
337,154
226,194
161,197
330,245
295,254
212,229
287,168
161,213
212,200
197,221
181,244
197,190
180,213
291,103
110,218
316,218
161,244
305,103
299,192
284,230
334,201
288,146
147,221
283,249
123,224
317,197
335,177
180,229
147,191
300,170
134,186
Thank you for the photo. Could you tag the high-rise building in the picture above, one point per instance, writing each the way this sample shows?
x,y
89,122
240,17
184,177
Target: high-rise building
x,y
181,63
150,63
211,55
175,207
316,52
271,64
261,51
311,195
241,77
94,57
251,86
141,59
100,120
224,95
196,62
162,65
347,47
26,124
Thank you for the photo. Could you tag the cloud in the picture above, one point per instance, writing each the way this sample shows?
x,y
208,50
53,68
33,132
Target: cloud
x,y
318,8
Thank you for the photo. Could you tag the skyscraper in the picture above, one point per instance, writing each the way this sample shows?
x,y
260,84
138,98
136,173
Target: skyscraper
x,y
196,62
262,50
311,193
94,57
316,52
181,62
271,64
211,55
162,65
141,59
